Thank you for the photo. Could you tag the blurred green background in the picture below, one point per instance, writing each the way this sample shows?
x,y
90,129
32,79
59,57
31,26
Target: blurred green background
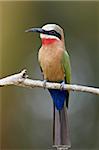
x,y
26,114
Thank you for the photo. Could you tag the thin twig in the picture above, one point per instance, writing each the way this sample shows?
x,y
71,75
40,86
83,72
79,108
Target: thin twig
x,y
21,79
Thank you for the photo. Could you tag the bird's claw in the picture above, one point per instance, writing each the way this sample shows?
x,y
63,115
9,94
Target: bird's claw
x,y
62,85
44,83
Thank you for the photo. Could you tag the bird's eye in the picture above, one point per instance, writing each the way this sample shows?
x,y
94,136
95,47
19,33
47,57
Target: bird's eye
x,y
52,32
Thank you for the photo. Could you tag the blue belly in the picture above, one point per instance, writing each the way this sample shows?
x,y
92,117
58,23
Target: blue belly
x,y
59,97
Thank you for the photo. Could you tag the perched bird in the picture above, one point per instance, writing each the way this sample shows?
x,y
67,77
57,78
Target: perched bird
x,y
55,65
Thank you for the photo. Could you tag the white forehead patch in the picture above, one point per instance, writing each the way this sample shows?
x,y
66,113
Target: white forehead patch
x,y
49,27
55,27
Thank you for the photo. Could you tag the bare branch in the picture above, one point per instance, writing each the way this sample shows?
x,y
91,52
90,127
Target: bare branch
x,y
21,79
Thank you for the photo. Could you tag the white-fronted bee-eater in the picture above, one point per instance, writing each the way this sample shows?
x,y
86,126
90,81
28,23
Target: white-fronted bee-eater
x,y
55,65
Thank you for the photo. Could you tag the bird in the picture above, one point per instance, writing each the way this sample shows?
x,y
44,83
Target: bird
x,y
55,65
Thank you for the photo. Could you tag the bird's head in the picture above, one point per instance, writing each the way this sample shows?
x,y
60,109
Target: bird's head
x,y
49,33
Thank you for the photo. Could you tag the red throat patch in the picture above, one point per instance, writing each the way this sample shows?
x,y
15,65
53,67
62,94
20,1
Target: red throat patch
x,y
46,41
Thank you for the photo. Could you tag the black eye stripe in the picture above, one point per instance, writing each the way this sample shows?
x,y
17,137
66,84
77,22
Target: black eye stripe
x,y
54,33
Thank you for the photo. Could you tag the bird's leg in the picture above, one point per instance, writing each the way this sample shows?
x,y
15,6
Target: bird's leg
x,y
62,85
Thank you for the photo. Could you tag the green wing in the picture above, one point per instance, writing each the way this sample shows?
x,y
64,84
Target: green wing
x,y
66,66
67,72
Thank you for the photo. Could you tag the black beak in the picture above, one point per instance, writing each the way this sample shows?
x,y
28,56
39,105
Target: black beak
x,y
39,30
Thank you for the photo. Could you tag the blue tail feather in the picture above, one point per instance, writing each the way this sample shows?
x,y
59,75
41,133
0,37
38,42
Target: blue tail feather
x,y
59,96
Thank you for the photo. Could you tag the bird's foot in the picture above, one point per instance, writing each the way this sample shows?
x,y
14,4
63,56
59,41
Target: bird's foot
x,y
44,83
62,85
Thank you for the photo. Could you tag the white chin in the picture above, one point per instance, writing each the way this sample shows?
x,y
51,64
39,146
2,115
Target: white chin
x,y
48,36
